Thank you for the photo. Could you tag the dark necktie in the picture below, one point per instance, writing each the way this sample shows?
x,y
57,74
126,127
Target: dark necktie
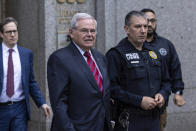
x,y
10,75
94,70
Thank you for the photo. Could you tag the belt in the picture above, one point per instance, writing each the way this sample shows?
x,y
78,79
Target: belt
x,y
146,113
9,103
140,112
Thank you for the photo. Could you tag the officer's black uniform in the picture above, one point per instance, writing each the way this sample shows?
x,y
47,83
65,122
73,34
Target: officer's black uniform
x,y
168,53
135,74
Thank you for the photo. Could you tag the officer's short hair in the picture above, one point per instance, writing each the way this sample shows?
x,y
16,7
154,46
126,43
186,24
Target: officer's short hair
x,y
145,10
6,21
133,13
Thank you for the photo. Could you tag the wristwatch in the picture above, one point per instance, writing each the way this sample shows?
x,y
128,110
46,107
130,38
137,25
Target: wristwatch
x,y
179,92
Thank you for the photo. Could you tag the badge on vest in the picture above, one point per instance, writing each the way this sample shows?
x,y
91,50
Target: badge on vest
x,y
132,56
163,51
153,54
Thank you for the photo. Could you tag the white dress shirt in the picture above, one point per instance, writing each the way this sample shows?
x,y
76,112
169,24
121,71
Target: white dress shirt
x,y
18,90
82,52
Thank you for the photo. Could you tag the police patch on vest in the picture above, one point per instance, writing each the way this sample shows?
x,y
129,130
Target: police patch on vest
x,y
153,54
163,51
131,56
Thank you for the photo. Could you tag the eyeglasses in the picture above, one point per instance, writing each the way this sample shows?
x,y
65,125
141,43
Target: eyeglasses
x,y
152,20
11,31
86,31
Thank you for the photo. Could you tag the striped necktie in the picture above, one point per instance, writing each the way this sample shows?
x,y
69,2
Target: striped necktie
x,y
94,70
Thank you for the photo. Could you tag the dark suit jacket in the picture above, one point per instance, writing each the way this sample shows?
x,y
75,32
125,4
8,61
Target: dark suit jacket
x,y
77,102
28,82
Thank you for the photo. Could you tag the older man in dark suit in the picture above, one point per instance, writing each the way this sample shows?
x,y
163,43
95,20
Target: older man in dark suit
x,y
16,80
78,81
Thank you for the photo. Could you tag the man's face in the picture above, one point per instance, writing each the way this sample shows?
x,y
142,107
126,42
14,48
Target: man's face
x,y
85,34
137,30
10,34
151,22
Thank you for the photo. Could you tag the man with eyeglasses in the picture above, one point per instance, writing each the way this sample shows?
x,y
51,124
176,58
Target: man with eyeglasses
x,y
78,81
168,53
17,81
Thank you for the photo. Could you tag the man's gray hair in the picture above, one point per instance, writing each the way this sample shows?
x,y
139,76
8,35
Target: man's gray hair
x,y
79,16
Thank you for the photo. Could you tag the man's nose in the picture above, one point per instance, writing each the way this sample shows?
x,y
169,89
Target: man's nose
x,y
143,29
89,33
12,33
150,22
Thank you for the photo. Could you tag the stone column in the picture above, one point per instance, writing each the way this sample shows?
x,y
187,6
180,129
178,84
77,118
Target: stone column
x,y
2,9
106,19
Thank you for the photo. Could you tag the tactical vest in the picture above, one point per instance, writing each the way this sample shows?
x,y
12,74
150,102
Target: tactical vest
x,y
141,74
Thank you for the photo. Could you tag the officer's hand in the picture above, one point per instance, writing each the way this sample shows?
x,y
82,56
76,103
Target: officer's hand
x,y
179,100
148,103
159,99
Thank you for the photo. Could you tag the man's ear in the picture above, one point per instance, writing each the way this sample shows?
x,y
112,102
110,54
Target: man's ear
x,y
126,28
71,33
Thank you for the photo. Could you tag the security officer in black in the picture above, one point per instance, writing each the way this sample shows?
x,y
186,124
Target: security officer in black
x,y
140,82
168,53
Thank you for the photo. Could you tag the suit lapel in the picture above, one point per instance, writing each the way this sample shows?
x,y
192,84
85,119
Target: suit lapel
x,y
84,66
1,68
22,61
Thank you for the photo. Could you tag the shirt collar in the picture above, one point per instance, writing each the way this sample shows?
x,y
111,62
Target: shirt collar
x,y
80,50
5,48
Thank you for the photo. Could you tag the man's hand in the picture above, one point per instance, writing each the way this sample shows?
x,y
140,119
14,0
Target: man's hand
x,y
179,100
159,99
148,103
47,110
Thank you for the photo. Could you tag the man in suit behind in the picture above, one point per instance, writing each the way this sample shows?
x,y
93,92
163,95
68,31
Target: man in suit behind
x,y
78,81
16,81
